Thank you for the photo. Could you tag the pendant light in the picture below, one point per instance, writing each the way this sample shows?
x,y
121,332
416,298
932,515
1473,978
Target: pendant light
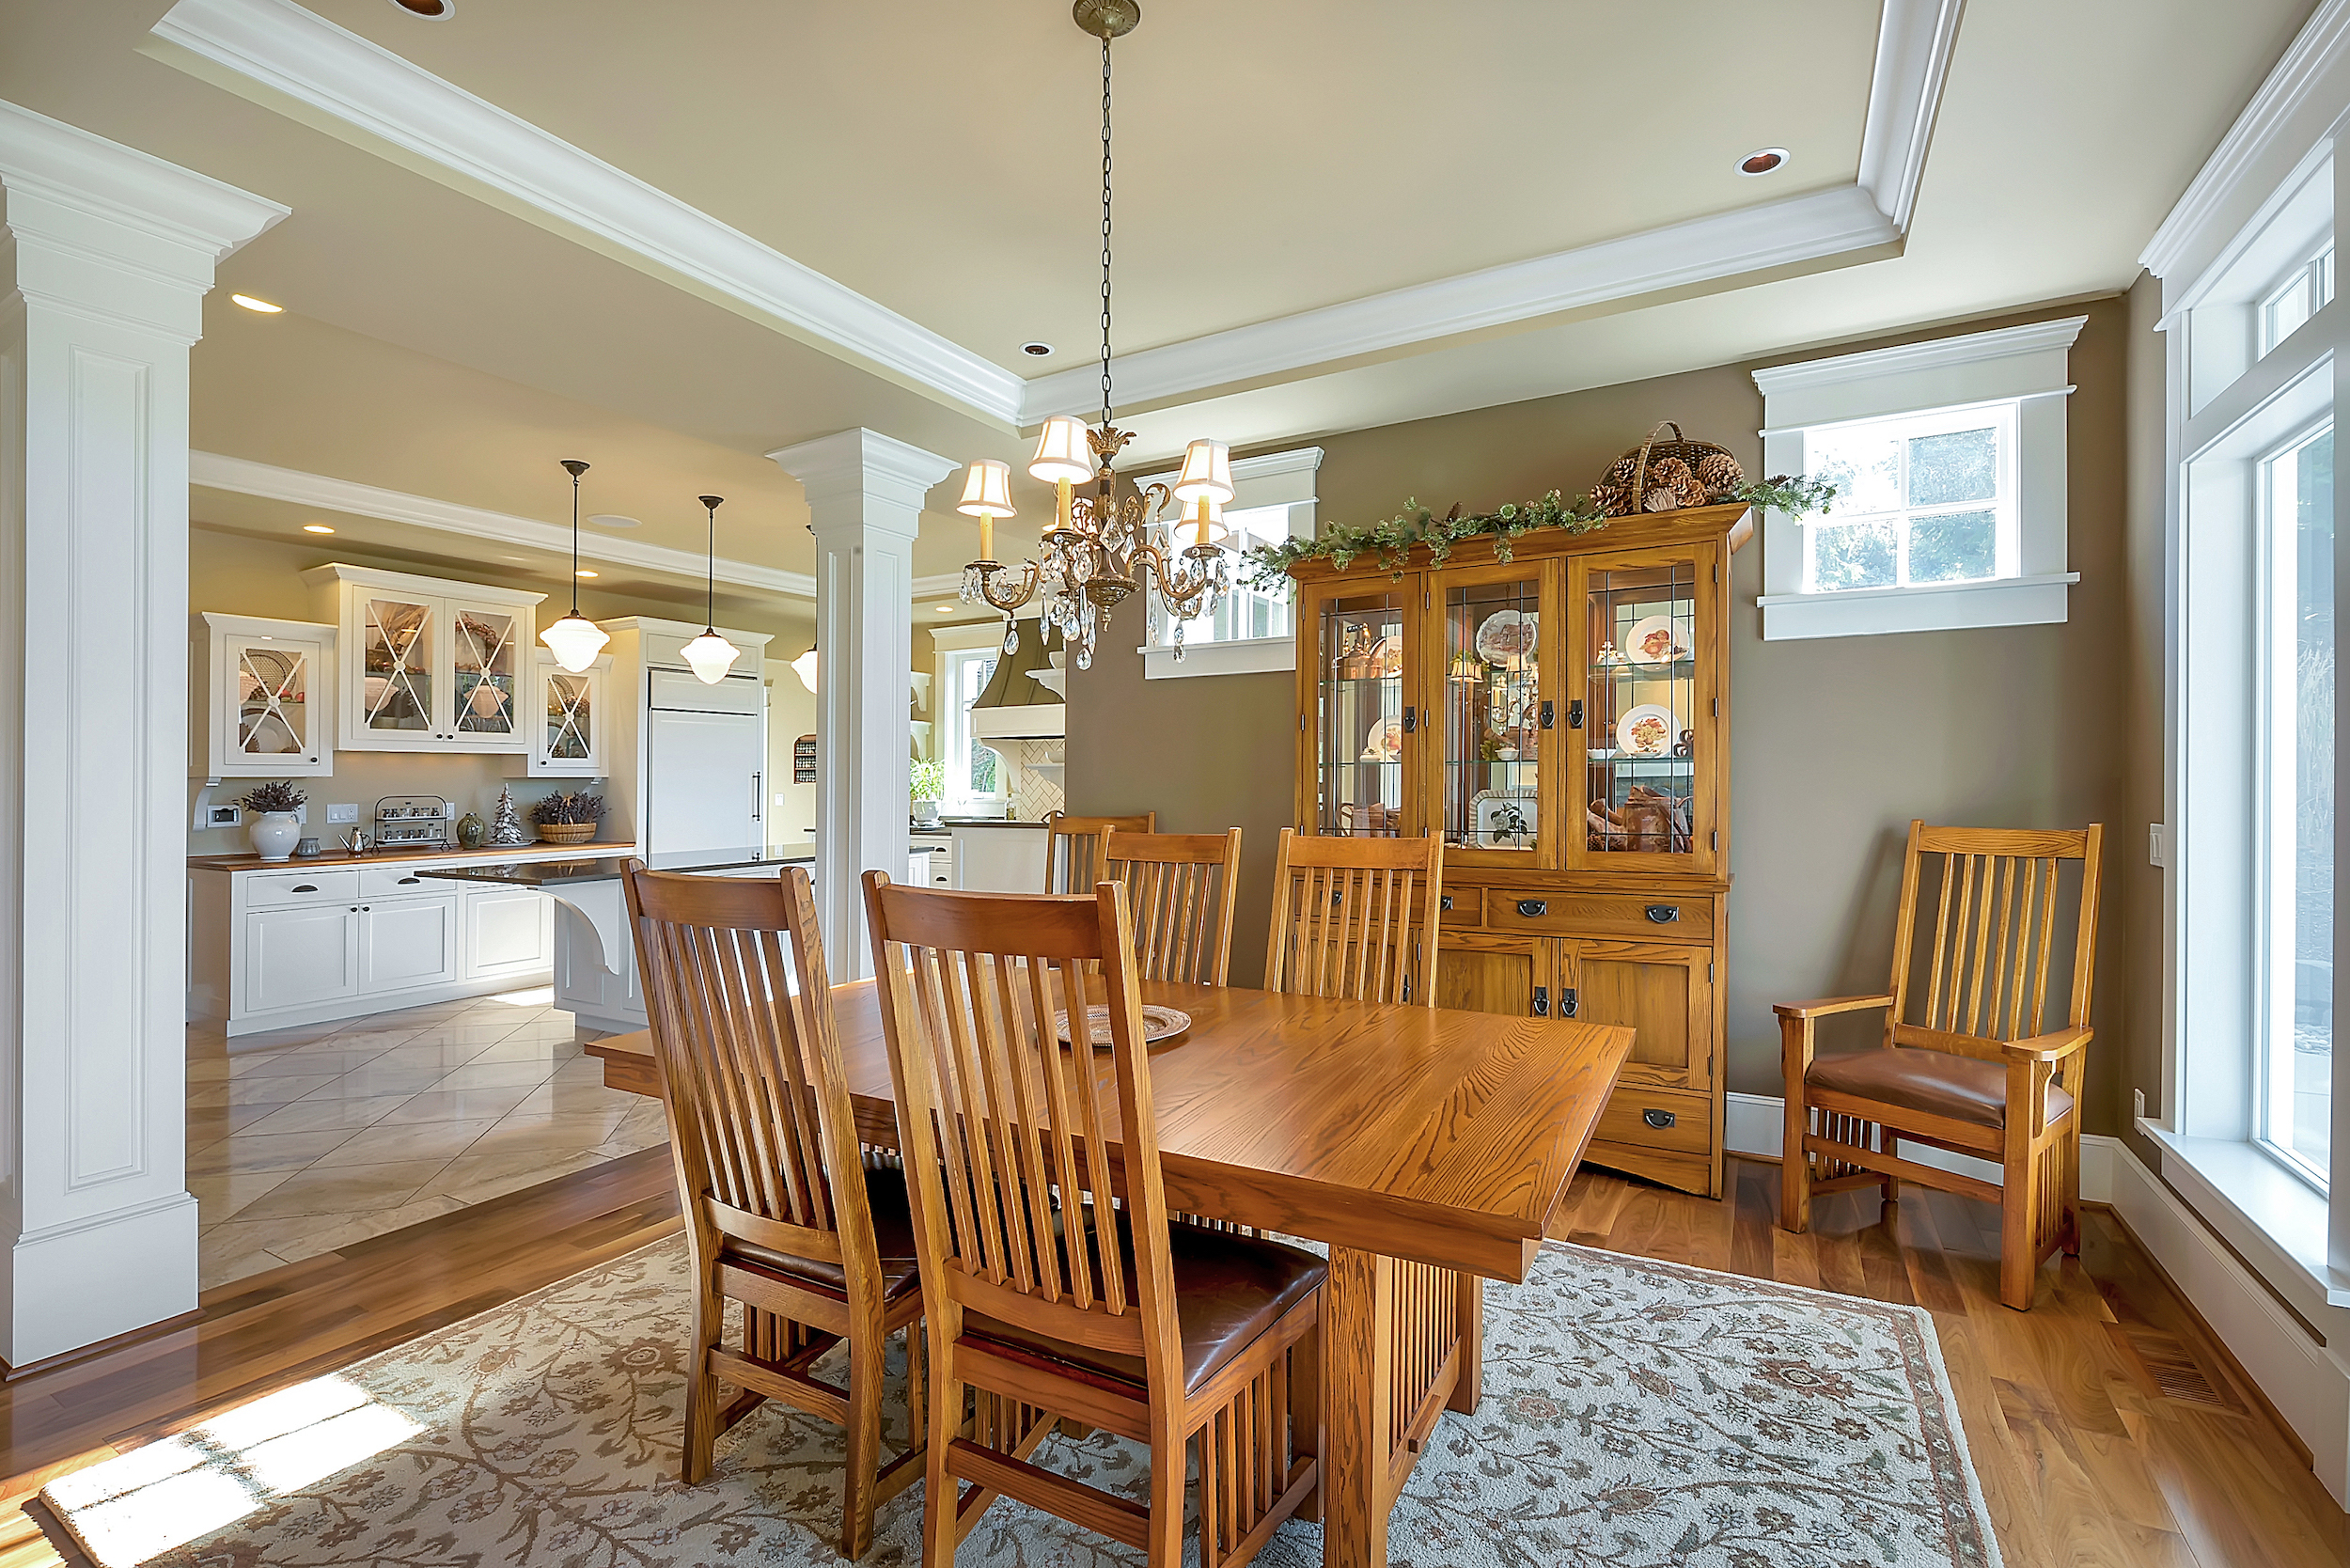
x,y
575,640
710,654
805,668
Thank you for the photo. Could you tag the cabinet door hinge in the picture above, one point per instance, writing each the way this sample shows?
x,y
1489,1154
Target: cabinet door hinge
x,y
1301,724
1718,572
1714,839
1718,707
1709,972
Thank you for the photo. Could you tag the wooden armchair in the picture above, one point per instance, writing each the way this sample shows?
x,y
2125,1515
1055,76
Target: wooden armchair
x,y
1356,918
1970,1065
1076,849
1180,890
780,1213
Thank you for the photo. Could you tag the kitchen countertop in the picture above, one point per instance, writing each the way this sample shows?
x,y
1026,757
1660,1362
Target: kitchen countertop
x,y
987,822
340,856
550,872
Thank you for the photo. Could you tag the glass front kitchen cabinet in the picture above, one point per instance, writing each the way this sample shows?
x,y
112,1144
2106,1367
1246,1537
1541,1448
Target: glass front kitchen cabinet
x,y
1494,637
429,665
568,715
264,701
1360,732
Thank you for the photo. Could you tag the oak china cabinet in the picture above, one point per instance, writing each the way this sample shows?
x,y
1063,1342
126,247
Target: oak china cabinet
x,y
263,697
428,665
1562,719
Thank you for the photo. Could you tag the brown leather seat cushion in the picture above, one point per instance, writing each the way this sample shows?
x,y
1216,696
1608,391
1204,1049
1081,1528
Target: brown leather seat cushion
x,y
1229,1290
893,1234
1964,1088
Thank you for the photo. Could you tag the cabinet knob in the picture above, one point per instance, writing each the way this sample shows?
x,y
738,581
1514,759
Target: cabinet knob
x,y
1658,1119
1532,907
1664,913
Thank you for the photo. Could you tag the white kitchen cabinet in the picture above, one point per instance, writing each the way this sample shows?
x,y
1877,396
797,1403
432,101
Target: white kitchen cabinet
x,y
568,716
508,932
430,665
300,957
407,942
261,698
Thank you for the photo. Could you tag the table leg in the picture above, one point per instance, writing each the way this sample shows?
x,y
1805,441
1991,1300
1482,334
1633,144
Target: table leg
x,y
1470,1317
1358,1349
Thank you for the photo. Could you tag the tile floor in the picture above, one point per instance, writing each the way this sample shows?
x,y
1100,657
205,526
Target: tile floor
x,y
303,1140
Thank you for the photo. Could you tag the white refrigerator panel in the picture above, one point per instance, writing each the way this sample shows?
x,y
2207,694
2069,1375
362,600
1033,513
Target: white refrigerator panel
x,y
704,774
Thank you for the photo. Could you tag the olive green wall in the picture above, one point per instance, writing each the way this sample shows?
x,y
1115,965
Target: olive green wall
x,y
1836,744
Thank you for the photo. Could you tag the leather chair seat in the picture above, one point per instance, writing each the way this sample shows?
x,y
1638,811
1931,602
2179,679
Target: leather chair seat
x,y
893,1234
1964,1088
1229,1290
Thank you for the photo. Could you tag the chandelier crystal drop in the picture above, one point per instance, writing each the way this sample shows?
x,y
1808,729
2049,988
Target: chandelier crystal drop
x,y
1102,550
575,640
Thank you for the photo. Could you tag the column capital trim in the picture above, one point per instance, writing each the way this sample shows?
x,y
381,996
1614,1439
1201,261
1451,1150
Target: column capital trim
x,y
862,462
206,217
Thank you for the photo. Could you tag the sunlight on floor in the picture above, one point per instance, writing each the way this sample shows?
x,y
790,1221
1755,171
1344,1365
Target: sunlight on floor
x,y
180,1487
543,996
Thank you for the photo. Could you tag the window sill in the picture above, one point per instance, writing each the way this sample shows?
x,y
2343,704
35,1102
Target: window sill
x,y
1927,607
2273,1219
1247,657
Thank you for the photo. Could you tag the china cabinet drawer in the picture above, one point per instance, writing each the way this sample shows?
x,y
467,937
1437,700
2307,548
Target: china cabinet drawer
x,y
1674,1120
1660,919
278,890
392,882
1461,909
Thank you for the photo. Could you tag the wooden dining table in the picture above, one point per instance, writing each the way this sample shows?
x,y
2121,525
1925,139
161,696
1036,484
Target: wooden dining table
x,y
1427,1148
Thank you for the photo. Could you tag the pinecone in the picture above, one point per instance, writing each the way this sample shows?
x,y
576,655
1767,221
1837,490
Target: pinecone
x,y
1719,472
1613,501
1672,486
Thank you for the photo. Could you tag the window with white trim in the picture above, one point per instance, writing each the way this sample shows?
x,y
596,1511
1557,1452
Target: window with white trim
x,y
2304,291
1250,632
975,771
1242,614
1948,459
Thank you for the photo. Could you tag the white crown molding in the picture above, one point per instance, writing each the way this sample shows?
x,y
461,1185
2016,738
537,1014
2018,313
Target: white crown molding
x,y
862,462
2306,64
938,585
1914,42
289,51
1935,355
244,477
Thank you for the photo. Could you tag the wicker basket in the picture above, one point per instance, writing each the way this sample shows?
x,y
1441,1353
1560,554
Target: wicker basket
x,y
1625,500
566,833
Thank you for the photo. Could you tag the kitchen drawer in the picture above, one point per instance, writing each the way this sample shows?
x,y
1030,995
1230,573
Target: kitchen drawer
x,y
1657,919
392,882
281,889
1461,908
1624,1120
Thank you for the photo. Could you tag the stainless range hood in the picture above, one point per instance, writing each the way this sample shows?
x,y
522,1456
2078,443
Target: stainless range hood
x,y
1015,706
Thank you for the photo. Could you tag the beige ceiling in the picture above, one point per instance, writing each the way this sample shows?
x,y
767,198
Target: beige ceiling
x,y
942,160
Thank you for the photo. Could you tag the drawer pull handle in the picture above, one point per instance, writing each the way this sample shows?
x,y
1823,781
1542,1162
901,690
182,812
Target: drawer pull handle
x,y
1444,902
1542,1001
307,887
413,881
1658,1119
1532,907
1664,913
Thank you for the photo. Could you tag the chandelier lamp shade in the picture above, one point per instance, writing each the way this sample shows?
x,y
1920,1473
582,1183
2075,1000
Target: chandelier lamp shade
x,y
709,654
1103,549
575,640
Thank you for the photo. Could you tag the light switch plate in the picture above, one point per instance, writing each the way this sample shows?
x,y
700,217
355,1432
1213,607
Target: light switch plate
x,y
210,816
2159,843
343,812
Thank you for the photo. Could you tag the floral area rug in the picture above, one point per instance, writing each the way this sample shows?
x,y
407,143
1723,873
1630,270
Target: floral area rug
x,y
1636,1415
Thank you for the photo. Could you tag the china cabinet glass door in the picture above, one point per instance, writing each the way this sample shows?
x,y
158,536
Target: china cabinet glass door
x,y
273,708
1494,634
570,716
1365,717
1646,710
482,675
396,684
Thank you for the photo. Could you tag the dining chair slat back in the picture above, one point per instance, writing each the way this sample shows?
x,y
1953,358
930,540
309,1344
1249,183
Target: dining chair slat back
x,y
1356,918
1076,849
1181,892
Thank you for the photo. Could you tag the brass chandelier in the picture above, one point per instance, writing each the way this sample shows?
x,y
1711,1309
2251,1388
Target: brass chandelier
x,y
1100,550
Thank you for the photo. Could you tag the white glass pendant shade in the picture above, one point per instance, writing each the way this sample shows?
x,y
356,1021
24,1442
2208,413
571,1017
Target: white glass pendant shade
x,y
574,641
805,668
1192,528
1062,456
1207,471
987,489
710,656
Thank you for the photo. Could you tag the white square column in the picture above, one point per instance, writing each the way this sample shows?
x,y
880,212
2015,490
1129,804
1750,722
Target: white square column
x,y
106,257
866,492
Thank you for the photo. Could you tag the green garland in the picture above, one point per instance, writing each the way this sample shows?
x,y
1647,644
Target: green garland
x,y
1265,568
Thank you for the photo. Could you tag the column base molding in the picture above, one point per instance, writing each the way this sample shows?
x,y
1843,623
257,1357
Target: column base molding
x,y
74,1285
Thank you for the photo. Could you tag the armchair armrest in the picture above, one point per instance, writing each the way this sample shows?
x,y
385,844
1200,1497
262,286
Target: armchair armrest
x,y
1821,1007
2053,1046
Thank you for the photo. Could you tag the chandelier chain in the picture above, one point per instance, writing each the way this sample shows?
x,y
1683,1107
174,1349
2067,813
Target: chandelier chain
x,y
1105,232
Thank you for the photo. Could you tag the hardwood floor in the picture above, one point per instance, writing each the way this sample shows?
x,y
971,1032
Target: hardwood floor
x,y
2106,1426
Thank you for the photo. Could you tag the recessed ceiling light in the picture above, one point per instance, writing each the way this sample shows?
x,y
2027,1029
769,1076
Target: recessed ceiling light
x,y
431,10
583,572
614,520
523,558
1767,160
1036,350
316,529
943,609
262,305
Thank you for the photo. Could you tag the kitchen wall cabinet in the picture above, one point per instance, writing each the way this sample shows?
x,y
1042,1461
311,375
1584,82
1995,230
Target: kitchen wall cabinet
x,y
567,716
430,665
261,698
1562,720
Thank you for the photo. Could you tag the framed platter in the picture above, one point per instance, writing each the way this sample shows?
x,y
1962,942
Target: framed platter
x,y
1650,641
1508,638
1504,818
1159,1024
1647,731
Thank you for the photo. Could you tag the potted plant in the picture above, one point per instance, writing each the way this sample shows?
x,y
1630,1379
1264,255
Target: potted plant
x,y
567,817
927,780
275,827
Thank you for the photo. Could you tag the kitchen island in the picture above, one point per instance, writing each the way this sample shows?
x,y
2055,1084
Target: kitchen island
x,y
595,957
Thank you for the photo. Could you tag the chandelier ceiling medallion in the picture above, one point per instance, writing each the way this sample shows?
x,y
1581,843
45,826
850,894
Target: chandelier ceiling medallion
x,y
1101,551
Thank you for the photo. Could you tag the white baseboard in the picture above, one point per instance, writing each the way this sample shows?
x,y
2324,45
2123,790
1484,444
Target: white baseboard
x,y
2307,1382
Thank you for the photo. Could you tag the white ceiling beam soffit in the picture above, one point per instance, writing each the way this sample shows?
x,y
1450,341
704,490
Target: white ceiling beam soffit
x,y
288,59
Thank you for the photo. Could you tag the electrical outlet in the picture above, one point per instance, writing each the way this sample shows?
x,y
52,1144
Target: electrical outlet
x,y
343,812
2157,844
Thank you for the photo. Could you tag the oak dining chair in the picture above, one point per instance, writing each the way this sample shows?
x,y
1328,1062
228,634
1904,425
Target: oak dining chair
x,y
1356,918
1968,1061
1180,891
781,1211
1076,849
1057,1287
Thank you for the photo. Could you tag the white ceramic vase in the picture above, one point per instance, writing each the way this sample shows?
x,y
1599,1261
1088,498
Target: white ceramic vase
x,y
274,834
